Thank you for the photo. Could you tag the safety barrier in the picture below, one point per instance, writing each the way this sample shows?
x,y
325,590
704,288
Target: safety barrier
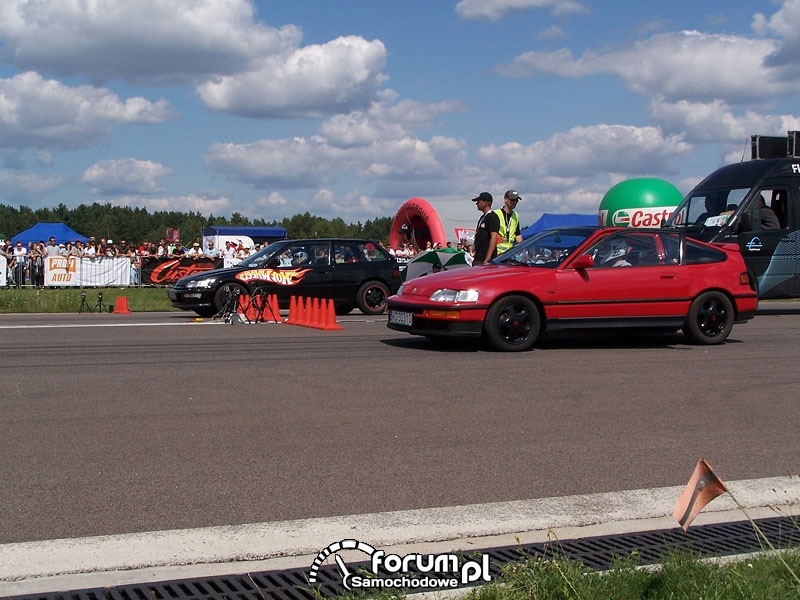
x,y
104,271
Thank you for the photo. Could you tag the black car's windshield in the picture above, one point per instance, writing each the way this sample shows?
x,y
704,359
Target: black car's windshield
x,y
261,258
707,208
545,249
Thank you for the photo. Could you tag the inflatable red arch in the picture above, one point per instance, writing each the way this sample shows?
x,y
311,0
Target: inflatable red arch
x,y
416,222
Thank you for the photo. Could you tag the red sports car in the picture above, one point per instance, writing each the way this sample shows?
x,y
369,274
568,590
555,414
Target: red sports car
x,y
584,278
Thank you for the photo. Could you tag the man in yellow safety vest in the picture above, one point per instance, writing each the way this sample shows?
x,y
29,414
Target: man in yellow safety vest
x,y
510,232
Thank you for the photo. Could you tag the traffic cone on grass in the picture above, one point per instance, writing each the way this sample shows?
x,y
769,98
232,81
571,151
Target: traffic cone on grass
x,y
121,306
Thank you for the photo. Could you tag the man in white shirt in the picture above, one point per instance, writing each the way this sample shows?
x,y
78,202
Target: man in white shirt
x,y
20,256
52,249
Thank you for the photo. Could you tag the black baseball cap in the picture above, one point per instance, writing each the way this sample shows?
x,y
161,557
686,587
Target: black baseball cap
x,y
485,196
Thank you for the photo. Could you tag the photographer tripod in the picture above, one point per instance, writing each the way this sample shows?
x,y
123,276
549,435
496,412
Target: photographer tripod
x,y
99,305
229,312
261,307
84,304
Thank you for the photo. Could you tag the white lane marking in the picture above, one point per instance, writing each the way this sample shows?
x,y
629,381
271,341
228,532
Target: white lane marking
x,y
80,325
260,541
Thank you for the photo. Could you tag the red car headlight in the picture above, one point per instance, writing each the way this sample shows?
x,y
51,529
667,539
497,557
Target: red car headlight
x,y
454,296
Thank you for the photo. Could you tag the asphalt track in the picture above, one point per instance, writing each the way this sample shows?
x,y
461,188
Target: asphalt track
x,y
126,424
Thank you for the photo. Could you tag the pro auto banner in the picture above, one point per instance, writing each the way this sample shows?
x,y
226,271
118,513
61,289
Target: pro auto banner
x,y
71,271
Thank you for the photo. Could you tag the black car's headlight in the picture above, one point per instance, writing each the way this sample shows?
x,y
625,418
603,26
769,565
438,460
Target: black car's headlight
x,y
454,296
200,283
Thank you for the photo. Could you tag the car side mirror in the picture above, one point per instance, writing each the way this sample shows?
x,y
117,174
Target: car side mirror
x,y
584,261
274,264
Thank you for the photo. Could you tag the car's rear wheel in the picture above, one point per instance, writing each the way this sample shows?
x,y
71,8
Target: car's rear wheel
x,y
512,324
710,319
227,295
371,297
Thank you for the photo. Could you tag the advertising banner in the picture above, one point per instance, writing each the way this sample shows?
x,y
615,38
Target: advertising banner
x,y
166,271
71,271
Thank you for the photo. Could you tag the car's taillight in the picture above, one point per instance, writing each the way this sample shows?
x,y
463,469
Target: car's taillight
x,y
744,279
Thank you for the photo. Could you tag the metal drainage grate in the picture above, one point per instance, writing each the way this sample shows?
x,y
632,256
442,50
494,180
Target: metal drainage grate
x,y
723,539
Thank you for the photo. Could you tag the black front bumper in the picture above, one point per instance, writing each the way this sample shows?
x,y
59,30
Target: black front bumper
x,y
186,299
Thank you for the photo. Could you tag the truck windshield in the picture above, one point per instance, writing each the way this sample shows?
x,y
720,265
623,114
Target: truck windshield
x,y
707,208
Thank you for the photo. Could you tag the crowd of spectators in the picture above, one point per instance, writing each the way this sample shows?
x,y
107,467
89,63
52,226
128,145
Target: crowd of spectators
x,y
408,250
25,263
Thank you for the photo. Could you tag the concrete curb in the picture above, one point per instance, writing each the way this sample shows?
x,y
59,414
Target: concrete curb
x,y
34,567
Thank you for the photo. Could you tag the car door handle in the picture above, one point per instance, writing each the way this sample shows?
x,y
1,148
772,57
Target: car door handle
x,y
667,276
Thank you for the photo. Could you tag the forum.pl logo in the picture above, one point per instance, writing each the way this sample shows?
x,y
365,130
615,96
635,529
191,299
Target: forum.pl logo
x,y
429,571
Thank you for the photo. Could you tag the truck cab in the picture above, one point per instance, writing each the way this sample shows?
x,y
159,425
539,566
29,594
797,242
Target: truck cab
x,y
755,204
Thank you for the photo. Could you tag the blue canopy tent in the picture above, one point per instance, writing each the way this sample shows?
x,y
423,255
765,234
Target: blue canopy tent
x,y
259,235
550,220
41,232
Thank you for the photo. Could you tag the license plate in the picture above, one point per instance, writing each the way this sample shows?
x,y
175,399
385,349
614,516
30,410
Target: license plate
x,y
399,317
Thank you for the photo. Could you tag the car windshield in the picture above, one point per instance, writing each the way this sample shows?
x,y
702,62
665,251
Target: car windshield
x,y
261,258
545,249
707,208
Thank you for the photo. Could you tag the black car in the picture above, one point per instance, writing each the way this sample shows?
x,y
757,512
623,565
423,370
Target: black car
x,y
352,273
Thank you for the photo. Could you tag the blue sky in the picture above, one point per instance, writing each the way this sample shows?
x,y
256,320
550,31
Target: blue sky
x,y
348,108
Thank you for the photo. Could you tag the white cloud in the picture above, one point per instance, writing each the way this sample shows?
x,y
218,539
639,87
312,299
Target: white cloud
x,y
23,186
584,152
205,205
272,200
240,66
127,176
286,163
494,10
44,113
713,122
785,23
686,65
313,81
142,40
384,120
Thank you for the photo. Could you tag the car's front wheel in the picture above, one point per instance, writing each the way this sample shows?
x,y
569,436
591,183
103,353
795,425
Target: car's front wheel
x,y
227,296
710,319
371,297
512,324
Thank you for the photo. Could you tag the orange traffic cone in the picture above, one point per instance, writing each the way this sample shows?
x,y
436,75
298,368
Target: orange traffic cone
x,y
269,311
313,320
305,314
292,318
329,323
242,307
121,306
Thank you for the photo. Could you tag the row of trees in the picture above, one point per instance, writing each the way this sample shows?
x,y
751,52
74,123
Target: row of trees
x,y
137,225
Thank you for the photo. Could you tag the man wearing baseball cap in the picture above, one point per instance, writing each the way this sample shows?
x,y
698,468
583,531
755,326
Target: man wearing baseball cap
x,y
486,232
509,232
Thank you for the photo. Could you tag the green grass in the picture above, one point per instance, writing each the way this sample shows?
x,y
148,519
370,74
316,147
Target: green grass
x,y
68,300
679,577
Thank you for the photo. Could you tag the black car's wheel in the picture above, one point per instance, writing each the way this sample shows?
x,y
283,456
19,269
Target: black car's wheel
x,y
371,298
512,324
710,319
227,295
